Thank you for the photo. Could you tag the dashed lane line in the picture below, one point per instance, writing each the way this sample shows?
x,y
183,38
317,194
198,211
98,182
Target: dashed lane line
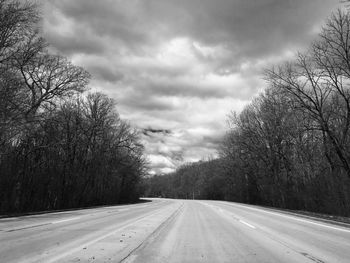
x,y
247,224
66,220
26,227
39,225
291,217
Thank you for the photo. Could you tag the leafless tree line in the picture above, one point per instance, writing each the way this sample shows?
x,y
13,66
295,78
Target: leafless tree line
x,y
60,146
290,147
199,180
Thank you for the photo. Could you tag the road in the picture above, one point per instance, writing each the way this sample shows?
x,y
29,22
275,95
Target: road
x,y
167,230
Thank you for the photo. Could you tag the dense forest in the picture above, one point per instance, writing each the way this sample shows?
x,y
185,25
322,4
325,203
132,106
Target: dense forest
x,y
290,147
60,146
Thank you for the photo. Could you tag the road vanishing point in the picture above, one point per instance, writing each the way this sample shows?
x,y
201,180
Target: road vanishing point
x,y
166,230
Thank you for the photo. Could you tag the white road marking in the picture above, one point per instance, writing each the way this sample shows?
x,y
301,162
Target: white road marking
x,y
294,218
116,207
40,224
123,209
8,219
247,224
65,220
26,227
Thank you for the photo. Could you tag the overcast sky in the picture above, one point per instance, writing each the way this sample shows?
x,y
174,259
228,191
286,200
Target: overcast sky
x,y
178,67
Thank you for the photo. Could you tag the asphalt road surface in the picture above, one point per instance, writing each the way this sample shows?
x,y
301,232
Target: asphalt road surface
x,y
173,231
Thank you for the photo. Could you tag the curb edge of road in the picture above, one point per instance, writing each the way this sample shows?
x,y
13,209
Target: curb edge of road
x,y
68,209
313,217
296,213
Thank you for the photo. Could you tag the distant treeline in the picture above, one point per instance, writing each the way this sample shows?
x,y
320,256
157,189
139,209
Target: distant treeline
x,y
60,147
290,147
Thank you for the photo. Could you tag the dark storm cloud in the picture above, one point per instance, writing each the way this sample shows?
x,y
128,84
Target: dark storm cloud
x,y
254,28
148,131
70,44
182,88
105,73
246,28
181,65
137,100
120,19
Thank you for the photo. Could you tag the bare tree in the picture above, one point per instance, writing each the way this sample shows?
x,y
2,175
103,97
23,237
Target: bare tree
x,y
319,81
59,147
